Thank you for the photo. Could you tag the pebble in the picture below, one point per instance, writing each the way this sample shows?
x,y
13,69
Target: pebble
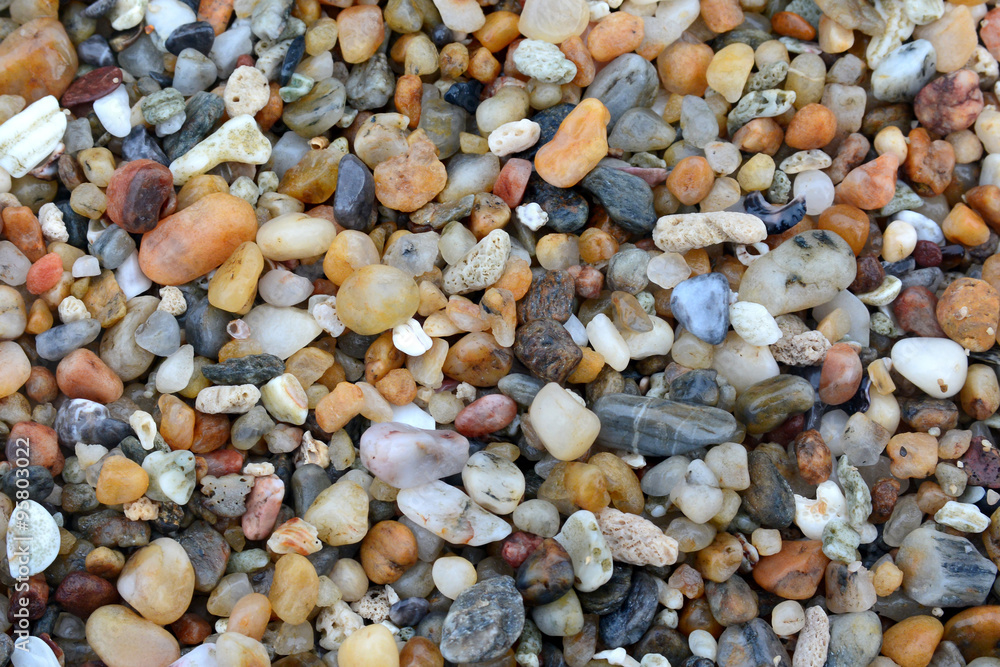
x,y
484,621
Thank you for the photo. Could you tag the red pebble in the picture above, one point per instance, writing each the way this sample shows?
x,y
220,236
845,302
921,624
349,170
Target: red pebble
x,y
512,181
786,433
244,60
486,415
223,462
517,547
914,310
588,281
45,273
927,254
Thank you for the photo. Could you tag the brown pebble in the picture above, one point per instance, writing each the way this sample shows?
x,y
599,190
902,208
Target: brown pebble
x,y
81,593
813,457
82,374
388,551
949,103
793,573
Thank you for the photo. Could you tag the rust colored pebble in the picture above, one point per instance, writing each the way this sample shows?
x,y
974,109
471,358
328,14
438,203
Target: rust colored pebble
x,y
927,254
614,35
210,432
191,629
223,462
272,111
812,126
217,13
486,415
92,86
36,442
81,593
793,573
968,312
388,551
815,462
512,181
420,652
30,600
914,310
911,642
21,228
576,52
138,193
885,492
82,374
869,276
841,375
989,32
691,180
790,24
44,274
41,386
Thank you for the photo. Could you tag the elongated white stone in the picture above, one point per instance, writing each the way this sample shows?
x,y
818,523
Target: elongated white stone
x,y
30,136
238,140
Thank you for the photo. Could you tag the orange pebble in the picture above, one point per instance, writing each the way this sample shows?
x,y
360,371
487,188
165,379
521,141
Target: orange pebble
x,y
614,35
965,226
812,126
682,67
691,180
45,273
21,228
576,52
791,24
216,12
499,30
409,89
848,222
271,112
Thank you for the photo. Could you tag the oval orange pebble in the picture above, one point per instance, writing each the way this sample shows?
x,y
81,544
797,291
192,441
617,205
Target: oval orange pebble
x,y
579,144
192,242
45,273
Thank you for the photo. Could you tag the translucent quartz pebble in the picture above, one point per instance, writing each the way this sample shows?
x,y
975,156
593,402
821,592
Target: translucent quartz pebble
x,y
450,514
404,456
822,263
29,137
281,287
660,427
282,331
941,570
159,334
553,21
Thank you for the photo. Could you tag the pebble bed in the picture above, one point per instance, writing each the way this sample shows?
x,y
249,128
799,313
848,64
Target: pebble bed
x,y
499,333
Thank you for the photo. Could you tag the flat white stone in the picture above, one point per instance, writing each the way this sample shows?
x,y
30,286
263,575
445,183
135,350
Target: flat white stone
x,y
32,539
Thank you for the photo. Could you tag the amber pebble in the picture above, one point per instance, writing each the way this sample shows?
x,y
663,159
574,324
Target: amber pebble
x,y
340,406
200,186
697,615
376,298
929,164
691,180
968,312
193,242
965,226
911,642
793,573
812,126
122,480
82,374
360,32
841,375
137,194
407,182
370,646
210,432
615,34
37,59
760,135
621,482
683,68
975,631
914,455
295,588
177,422
388,551
578,145
21,227
233,287
813,457
120,637
790,24
885,492
407,98
499,30
158,581
720,559
587,486
191,629
476,358
250,616
985,200
849,223
420,652
314,179
576,52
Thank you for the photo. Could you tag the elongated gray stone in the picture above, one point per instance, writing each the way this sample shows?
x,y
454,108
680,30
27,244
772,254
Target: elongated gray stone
x,y
660,427
941,570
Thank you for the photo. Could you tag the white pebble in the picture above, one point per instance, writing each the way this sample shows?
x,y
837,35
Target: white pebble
x,y
702,644
787,618
114,112
531,216
86,266
576,330
452,575
753,323
410,338
817,188
514,136
50,218
30,136
72,309
606,340
130,277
